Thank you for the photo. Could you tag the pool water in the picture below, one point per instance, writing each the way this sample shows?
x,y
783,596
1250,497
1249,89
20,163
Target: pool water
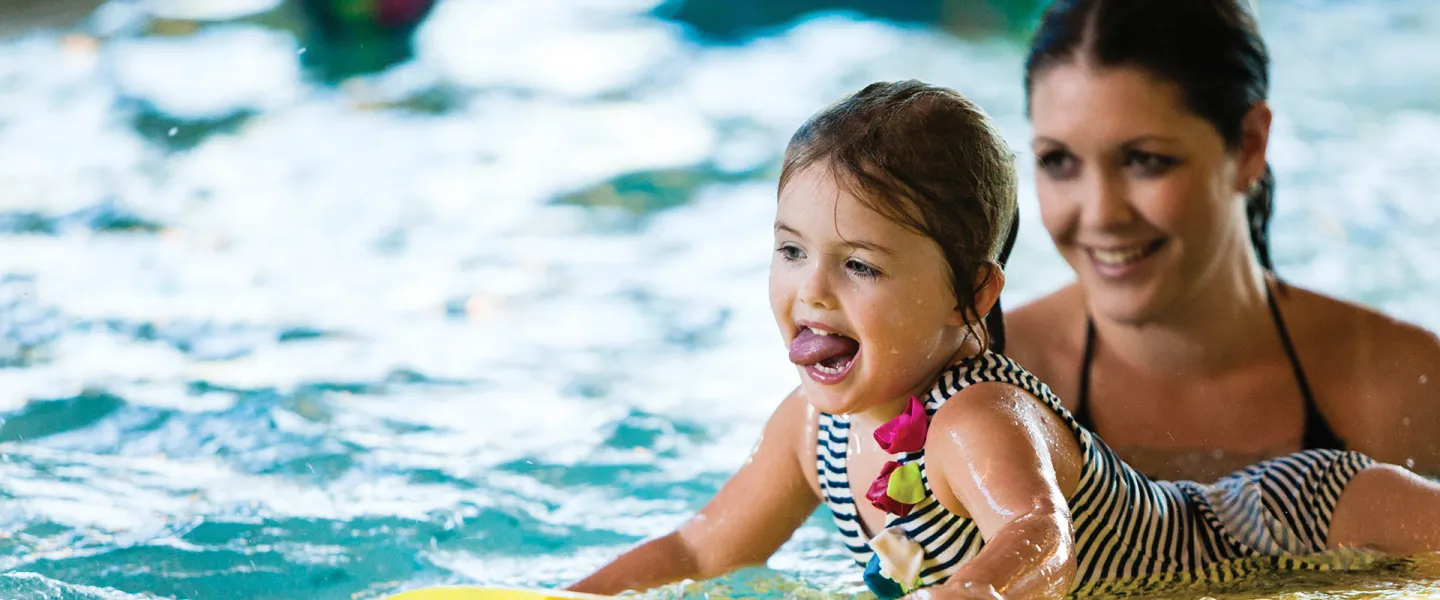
x,y
494,314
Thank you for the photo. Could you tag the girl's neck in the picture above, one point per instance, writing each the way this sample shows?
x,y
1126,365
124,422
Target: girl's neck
x,y
1207,331
884,412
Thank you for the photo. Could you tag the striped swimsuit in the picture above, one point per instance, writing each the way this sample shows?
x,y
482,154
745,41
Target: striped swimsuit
x,y
1131,533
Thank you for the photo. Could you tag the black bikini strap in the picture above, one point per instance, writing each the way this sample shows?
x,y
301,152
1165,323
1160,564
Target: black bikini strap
x,y
1317,434
1082,404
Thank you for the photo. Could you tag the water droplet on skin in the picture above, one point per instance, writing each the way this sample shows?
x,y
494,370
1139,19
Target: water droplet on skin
x,y
1410,463
174,130
1424,379
1405,422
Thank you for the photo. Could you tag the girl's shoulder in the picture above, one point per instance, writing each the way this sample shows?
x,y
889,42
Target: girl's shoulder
x,y
1003,416
797,423
992,386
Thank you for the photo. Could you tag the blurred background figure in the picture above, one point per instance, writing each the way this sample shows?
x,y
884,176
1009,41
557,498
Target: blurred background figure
x,y
331,298
350,37
737,20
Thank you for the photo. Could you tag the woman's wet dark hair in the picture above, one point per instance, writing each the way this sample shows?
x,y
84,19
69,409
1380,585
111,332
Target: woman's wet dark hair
x,y
930,160
1210,49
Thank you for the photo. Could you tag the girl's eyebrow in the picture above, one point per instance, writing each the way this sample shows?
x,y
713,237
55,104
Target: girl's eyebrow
x,y
861,244
779,227
864,245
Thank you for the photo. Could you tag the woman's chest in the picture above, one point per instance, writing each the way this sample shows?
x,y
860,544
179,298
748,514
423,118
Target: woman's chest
x,y
1198,427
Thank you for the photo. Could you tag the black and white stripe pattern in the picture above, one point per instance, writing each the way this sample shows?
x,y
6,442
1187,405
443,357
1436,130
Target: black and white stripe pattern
x,y
1131,533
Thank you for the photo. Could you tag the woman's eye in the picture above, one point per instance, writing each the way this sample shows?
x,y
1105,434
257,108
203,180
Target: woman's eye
x,y
861,269
1057,164
790,253
1149,164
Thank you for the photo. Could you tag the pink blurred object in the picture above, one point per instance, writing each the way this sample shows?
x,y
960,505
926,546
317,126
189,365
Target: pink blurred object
x,y
398,13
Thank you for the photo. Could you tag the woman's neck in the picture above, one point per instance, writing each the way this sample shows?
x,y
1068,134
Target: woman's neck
x,y
1207,331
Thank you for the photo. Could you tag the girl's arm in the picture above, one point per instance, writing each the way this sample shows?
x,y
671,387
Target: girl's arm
x,y
997,453
748,520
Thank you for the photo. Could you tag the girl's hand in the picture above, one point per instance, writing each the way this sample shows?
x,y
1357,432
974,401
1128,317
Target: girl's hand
x,y
746,522
955,590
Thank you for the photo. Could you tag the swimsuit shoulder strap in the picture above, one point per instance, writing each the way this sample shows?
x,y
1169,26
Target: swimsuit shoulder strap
x,y
1317,433
1082,403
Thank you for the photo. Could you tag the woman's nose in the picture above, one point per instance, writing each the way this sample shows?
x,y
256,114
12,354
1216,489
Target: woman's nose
x,y
1106,203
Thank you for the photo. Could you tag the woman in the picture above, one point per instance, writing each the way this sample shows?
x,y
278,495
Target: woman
x,y
1178,343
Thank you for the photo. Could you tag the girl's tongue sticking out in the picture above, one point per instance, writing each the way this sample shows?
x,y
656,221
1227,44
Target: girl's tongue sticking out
x,y
827,357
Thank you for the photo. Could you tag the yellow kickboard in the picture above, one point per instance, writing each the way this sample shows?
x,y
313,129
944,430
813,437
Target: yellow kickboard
x,y
489,593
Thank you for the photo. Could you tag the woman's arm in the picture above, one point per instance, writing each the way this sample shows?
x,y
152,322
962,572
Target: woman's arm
x,y
1378,382
747,521
1009,462
1410,435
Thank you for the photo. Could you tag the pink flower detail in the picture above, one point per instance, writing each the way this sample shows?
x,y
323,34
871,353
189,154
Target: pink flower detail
x,y
905,433
878,493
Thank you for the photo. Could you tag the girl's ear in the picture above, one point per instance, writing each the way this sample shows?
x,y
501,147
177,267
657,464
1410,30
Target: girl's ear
x,y
989,282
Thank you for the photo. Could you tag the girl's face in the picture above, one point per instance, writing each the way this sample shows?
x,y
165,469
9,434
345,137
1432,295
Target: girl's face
x,y
864,304
1139,194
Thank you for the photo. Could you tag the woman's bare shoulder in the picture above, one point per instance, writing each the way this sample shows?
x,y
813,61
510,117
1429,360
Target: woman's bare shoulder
x,y
1035,325
1376,377
1047,337
1355,334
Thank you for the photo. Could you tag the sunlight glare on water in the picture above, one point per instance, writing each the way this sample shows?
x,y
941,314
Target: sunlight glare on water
x,y
495,314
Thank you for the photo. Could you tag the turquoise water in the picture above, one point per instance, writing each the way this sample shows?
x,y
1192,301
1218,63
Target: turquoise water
x,y
498,312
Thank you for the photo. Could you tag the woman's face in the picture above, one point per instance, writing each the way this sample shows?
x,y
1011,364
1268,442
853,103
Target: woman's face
x,y
1140,195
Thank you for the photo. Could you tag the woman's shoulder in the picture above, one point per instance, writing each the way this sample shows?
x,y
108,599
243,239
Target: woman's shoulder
x,y
1351,333
1046,336
1376,378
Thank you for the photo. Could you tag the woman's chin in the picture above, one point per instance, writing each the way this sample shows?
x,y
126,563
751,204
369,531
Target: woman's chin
x,y
1133,306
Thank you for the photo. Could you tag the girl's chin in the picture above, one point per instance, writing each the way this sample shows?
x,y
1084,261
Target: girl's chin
x,y
829,400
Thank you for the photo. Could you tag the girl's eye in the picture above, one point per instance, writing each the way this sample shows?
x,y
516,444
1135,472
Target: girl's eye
x,y
790,252
1147,164
1057,164
861,269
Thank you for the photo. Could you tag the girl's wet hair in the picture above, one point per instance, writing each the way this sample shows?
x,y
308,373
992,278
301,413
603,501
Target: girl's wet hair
x,y
932,161
1210,49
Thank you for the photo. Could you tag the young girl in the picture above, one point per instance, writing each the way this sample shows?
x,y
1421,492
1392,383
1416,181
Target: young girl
x,y
946,465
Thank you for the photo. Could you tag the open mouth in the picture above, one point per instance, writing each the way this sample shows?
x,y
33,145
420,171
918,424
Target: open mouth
x,y
1116,258
827,356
